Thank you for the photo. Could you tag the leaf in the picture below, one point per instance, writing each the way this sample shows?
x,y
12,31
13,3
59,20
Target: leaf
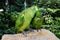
x,y
53,10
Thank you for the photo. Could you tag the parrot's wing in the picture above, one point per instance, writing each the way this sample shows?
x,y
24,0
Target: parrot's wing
x,y
19,21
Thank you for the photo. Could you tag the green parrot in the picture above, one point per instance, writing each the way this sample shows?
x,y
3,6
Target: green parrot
x,y
24,19
38,20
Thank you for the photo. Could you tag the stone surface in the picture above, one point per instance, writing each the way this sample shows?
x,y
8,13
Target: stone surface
x,y
42,34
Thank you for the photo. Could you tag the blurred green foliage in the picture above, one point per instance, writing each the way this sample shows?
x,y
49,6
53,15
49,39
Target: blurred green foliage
x,y
50,10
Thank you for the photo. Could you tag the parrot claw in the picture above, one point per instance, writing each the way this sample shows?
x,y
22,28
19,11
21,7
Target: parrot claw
x,y
30,29
24,33
38,29
35,30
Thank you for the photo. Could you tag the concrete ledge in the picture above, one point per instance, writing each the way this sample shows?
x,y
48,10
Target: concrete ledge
x,y
42,34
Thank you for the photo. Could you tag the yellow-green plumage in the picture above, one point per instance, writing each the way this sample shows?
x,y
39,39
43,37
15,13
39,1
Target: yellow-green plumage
x,y
19,21
24,19
38,20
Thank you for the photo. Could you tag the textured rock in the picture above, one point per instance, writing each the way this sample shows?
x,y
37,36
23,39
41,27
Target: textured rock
x,y
42,34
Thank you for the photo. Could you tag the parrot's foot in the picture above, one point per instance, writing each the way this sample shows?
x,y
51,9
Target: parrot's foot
x,y
38,29
24,33
30,29
35,30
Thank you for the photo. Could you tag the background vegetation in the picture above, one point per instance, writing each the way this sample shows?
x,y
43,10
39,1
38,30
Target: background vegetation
x,y
13,7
